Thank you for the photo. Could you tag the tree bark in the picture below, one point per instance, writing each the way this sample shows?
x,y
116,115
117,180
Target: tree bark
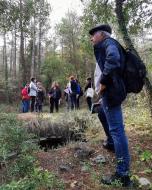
x,y
22,68
39,48
14,58
33,51
122,25
11,57
129,44
40,38
6,69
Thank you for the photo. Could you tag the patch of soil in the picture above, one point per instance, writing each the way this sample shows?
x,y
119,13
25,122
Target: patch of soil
x,y
77,179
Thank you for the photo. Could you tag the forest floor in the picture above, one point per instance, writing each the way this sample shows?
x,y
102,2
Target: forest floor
x,y
85,174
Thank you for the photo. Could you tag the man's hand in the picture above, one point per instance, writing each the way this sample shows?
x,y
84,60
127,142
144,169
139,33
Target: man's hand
x,y
102,88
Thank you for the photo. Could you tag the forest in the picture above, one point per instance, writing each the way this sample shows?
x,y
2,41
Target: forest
x,y
63,150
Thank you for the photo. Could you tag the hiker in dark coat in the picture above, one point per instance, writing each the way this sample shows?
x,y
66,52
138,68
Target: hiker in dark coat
x,y
39,98
110,58
54,97
79,94
73,87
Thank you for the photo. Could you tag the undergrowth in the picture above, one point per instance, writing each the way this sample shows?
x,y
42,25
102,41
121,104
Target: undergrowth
x,y
19,167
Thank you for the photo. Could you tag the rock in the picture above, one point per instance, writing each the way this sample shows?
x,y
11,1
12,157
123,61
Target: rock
x,y
99,159
73,184
83,151
84,169
144,182
64,168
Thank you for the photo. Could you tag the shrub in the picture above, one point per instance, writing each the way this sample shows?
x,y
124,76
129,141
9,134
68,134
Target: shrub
x,y
21,171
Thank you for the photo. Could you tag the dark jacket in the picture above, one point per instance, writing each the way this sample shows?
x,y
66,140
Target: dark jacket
x,y
74,86
110,58
40,96
55,93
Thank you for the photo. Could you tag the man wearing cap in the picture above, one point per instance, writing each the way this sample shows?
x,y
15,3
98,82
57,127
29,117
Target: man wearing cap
x,y
110,59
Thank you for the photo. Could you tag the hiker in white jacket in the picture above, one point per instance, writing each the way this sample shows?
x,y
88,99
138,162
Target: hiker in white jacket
x,y
33,93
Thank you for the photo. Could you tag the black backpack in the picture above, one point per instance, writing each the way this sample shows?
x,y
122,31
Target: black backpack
x,y
134,71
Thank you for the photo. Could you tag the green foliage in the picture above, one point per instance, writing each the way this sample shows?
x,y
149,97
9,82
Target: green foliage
x,y
19,17
116,183
14,140
38,179
148,171
69,31
22,165
137,15
146,156
94,9
12,14
21,171
13,136
12,90
54,69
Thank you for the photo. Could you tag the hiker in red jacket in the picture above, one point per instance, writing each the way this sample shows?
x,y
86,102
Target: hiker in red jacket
x,y
25,99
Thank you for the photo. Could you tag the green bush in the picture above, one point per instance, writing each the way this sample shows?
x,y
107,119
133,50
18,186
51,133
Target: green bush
x,y
146,156
39,179
21,171
13,137
54,69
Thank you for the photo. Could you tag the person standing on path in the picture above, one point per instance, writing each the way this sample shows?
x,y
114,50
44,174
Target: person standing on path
x,y
73,94
54,97
25,99
33,93
39,98
110,59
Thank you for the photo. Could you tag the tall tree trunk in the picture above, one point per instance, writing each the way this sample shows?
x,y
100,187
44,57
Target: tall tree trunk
x,y
40,38
39,48
22,69
3,61
129,44
33,51
11,57
62,50
74,54
122,25
14,57
6,69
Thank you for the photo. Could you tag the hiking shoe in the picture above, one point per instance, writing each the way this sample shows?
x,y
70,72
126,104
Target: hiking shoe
x,y
117,180
109,147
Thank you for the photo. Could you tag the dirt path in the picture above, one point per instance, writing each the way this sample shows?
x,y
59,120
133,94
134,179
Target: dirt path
x,y
32,116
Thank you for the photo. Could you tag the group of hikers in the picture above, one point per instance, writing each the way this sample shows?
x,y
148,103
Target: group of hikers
x,y
112,88
34,94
